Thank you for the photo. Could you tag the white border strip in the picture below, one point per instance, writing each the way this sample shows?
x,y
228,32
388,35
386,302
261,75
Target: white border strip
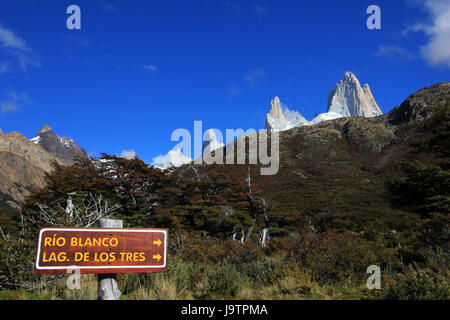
x,y
102,267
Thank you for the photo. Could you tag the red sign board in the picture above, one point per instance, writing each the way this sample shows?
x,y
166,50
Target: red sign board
x,y
90,250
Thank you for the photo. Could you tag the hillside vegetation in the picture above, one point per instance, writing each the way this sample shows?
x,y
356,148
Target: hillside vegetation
x,y
350,193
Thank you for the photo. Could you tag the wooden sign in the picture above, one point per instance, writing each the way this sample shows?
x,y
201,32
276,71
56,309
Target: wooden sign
x,y
90,250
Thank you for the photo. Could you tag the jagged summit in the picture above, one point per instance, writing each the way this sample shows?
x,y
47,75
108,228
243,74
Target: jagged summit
x,y
45,128
275,117
346,99
349,99
64,149
279,120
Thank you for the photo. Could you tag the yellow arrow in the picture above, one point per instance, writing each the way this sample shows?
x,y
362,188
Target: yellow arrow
x,y
158,242
157,257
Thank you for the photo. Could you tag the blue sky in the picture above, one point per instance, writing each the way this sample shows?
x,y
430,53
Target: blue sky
x,y
137,70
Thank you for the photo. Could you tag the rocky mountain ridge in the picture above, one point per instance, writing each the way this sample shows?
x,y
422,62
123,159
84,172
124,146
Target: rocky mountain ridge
x,y
24,162
64,149
369,142
346,99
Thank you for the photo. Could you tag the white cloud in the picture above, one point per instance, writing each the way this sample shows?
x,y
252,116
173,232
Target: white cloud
x,y
10,40
128,154
150,68
393,52
13,102
437,50
14,45
254,75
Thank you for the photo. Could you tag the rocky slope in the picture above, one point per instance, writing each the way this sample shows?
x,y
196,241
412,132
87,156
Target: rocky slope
x,y
22,166
24,162
417,106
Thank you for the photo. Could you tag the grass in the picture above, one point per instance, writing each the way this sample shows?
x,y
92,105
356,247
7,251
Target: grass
x,y
187,281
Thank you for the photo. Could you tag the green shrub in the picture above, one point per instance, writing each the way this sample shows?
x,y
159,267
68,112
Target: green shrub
x,y
224,281
267,272
17,265
341,256
417,284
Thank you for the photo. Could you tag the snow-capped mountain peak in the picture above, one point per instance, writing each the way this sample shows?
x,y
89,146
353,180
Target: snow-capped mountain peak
x,y
210,142
279,120
175,158
347,99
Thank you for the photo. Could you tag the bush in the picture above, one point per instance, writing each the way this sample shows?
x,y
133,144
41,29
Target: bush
x,y
417,284
267,272
341,256
17,265
224,281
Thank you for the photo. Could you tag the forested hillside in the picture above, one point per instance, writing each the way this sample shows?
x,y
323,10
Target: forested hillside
x,y
350,193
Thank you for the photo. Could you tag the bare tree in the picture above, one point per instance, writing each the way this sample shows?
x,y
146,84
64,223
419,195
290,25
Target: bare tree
x,y
85,212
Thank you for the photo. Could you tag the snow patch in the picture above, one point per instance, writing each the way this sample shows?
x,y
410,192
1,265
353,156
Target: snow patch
x,y
175,158
128,154
36,140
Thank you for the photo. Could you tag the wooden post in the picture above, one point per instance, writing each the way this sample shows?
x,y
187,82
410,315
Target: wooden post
x,y
107,283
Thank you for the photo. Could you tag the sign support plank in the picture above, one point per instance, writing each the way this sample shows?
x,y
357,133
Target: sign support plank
x,y
107,283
